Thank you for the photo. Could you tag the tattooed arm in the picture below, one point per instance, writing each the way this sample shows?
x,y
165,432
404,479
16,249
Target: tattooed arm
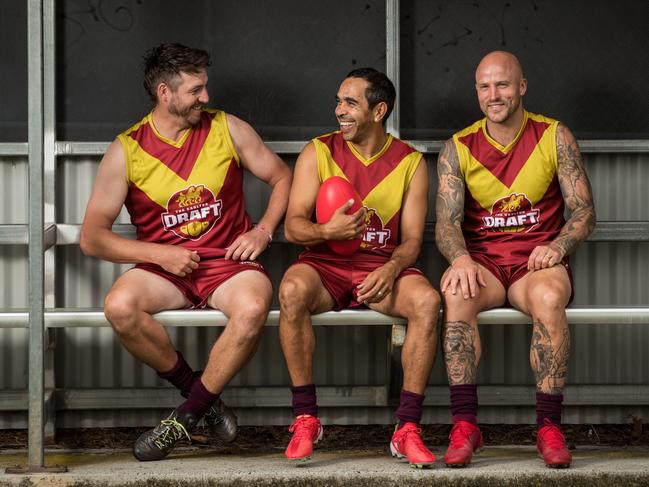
x,y
450,204
577,193
448,230
578,197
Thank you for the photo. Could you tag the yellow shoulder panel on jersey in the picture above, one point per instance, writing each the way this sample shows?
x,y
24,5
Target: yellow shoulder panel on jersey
x,y
383,198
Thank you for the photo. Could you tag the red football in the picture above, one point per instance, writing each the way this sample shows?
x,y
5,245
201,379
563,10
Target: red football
x,y
335,192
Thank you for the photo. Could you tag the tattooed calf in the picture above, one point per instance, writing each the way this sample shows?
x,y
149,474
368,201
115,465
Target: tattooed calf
x,y
460,352
549,363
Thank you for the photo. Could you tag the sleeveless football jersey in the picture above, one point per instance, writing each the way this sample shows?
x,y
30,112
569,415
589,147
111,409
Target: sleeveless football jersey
x,y
189,192
380,181
513,200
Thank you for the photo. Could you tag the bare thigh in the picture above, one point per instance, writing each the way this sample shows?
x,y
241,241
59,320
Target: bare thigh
x,y
409,295
486,297
149,292
304,284
555,277
240,290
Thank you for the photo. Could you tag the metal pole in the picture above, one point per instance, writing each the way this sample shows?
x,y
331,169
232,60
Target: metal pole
x,y
36,316
49,215
392,60
49,139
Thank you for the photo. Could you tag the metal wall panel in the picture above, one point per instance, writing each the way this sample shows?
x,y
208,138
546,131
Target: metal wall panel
x,y
620,186
13,274
13,181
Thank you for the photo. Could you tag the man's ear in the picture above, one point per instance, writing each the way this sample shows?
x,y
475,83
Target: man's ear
x,y
380,110
164,92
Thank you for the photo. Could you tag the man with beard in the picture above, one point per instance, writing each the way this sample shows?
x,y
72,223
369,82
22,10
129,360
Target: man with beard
x,y
392,180
503,184
179,171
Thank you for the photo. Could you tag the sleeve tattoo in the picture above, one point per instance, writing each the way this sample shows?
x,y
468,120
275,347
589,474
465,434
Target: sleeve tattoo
x,y
577,193
449,204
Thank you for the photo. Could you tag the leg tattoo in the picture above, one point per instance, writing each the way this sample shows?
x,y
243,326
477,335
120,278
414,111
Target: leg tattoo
x,y
460,352
549,361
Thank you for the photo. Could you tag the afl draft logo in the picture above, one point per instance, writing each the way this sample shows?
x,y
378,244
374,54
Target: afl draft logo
x,y
375,236
192,212
513,213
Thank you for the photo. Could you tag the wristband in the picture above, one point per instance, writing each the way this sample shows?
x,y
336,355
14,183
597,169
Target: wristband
x,y
269,235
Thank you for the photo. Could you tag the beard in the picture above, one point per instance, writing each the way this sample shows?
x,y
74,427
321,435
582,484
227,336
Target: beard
x,y
187,113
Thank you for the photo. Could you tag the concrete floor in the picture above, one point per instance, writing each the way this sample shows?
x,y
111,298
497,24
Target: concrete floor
x,y
496,466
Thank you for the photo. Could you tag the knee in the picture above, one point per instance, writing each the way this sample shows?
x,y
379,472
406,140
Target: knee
x,y
424,310
251,315
433,297
292,297
547,299
120,309
457,304
248,323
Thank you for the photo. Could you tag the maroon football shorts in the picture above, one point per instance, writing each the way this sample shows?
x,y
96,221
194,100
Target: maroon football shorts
x,y
508,274
341,277
199,285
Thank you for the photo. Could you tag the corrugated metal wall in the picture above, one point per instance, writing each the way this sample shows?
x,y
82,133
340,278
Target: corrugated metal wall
x,y
13,271
605,274
13,281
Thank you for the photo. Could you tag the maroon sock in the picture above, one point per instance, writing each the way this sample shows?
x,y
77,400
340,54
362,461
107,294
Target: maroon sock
x,y
464,403
200,400
305,400
548,406
195,376
410,407
181,375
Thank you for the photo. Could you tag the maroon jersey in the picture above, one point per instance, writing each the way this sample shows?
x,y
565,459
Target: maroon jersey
x,y
513,200
187,192
381,181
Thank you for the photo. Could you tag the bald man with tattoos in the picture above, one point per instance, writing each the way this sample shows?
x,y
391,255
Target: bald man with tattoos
x,y
504,183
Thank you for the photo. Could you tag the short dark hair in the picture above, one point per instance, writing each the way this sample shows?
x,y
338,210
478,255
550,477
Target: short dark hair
x,y
164,63
380,88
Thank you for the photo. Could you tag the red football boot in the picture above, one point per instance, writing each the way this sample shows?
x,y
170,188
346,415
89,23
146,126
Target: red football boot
x,y
406,442
466,440
306,430
552,446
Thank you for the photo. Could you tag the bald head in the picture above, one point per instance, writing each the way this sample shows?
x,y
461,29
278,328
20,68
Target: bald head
x,y
500,86
501,60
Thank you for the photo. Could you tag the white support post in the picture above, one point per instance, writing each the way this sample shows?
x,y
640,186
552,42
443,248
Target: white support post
x,y
392,61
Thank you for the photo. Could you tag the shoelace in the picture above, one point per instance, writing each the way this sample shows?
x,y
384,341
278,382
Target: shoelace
x,y
214,413
174,432
458,434
553,438
416,438
302,428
